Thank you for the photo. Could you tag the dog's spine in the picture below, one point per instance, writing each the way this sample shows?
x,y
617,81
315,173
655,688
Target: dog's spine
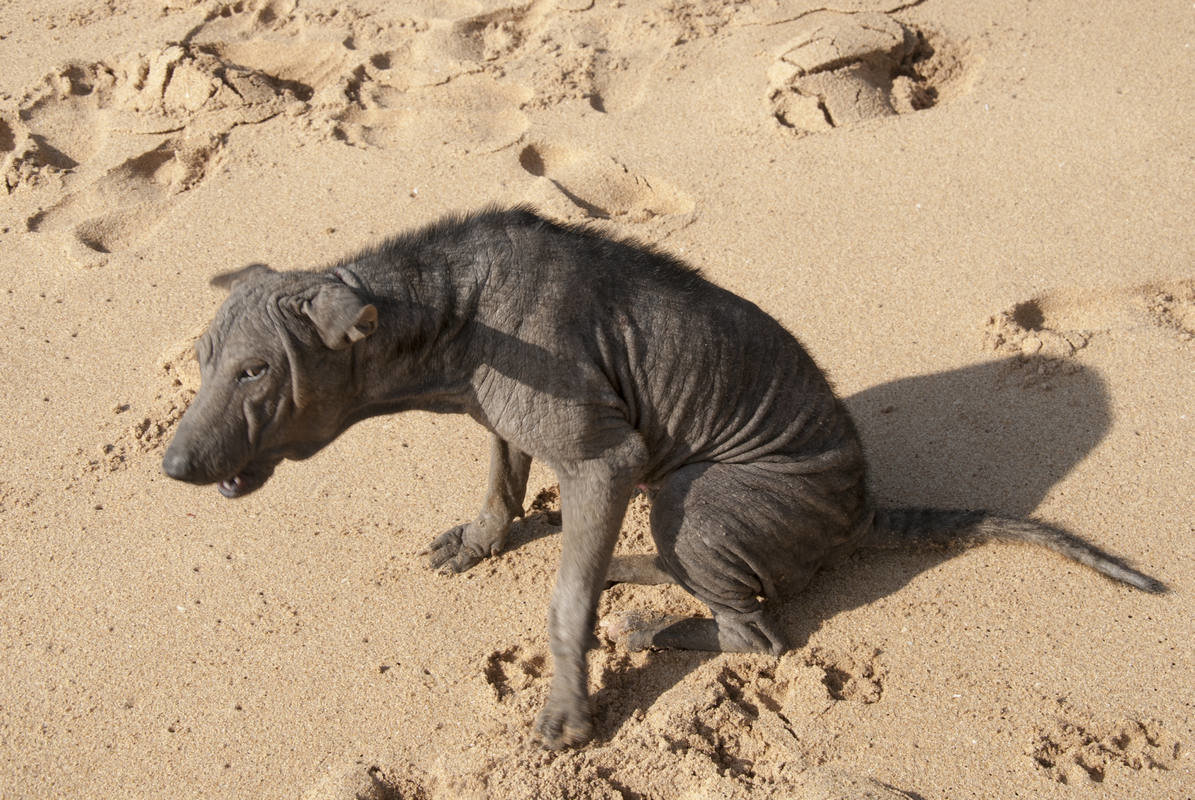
x,y
905,527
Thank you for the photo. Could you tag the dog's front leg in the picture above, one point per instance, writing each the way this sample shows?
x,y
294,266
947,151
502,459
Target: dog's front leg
x,y
594,498
461,547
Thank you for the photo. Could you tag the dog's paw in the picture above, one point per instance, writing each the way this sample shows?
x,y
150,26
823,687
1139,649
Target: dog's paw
x,y
633,629
451,551
563,725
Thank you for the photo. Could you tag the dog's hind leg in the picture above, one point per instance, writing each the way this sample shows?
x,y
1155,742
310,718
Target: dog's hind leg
x,y
741,539
727,632
463,546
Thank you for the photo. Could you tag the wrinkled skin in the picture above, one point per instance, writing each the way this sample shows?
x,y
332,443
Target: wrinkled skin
x,y
615,365
259,403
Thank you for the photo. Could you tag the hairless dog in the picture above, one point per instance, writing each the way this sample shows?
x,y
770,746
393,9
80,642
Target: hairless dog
x,y
616,365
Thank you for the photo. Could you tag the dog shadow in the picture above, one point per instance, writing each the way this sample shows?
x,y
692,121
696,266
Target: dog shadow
x,y
995,436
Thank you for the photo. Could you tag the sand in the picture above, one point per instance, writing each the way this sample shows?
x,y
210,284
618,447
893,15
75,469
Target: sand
x,y
977,217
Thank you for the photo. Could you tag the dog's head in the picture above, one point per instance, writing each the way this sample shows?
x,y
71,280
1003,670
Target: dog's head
x,y
277,373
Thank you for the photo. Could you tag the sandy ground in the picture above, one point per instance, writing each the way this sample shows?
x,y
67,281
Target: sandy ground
x,y
977,216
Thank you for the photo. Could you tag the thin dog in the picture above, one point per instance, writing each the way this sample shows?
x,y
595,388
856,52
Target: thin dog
x,y
616,365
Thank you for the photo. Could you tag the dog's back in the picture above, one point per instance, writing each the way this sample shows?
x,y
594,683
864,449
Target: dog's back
x,y
703,374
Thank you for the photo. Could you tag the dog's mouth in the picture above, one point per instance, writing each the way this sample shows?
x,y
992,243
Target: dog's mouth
x,y
248,480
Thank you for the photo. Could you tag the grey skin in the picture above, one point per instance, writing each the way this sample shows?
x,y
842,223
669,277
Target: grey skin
x,y
615,365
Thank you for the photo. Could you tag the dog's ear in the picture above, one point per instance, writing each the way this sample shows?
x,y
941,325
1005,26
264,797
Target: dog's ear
x,y
340,315
229,280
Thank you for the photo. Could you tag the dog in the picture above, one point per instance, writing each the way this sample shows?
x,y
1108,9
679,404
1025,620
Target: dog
x,y
613,363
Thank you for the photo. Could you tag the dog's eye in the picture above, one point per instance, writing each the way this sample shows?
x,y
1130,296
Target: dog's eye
x,y
253,372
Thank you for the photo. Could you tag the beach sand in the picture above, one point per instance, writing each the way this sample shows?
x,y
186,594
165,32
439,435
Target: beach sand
x,y
976,216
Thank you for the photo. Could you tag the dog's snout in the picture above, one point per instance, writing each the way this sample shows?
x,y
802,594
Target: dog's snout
x,y
178,464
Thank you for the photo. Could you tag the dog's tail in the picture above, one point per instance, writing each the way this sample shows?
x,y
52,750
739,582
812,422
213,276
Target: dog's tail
x,y
933,527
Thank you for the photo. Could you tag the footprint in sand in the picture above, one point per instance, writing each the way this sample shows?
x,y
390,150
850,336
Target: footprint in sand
x,y
453,47
848,677
447,79
90,123
604,56
1055,325
57,126
472,114
497,34
115,211
842,68
574,184
1078,750
23,161
512,670
380,87
240,18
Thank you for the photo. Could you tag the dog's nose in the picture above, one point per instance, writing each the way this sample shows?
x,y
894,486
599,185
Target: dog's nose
x,y
177,464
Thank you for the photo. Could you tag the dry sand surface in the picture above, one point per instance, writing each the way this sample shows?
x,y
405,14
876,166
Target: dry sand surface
x,y
977,216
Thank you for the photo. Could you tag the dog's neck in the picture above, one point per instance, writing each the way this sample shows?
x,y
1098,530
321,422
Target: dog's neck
x,y
423,355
